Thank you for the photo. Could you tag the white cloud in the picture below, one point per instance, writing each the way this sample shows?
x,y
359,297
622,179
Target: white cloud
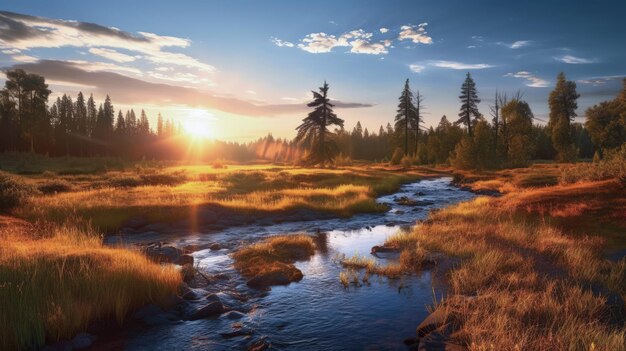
x,y
24,58
282,43
520,44
598,81
358,40
23,32
417,34
384,30
252,92
459,65
105,66
574,60
416,68
531,80
112,55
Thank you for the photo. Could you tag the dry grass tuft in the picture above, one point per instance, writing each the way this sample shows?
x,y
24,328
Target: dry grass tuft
x,y
274,256
57,279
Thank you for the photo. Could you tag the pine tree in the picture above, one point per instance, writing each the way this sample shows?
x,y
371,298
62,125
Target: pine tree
x,y
418,121
92,115
314,129
469,104
120,125
160,125
563,105
405,115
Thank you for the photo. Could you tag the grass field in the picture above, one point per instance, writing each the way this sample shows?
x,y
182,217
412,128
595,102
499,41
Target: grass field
x,y
109,193
54,280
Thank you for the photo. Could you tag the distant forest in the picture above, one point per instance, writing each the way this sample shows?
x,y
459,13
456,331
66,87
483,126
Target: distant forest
x,y
509,136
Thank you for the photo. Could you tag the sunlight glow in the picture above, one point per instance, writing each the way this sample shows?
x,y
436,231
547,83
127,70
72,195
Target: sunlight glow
x,y
199,124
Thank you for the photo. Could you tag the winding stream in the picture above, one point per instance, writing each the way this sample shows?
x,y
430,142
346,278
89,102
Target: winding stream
x,y
317,313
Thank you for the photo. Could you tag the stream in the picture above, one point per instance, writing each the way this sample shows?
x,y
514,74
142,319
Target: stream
x,y
317,313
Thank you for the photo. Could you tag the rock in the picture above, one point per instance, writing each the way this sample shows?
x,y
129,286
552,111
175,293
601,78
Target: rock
x,y
184,259
236,333
195,247
82,341
213,298
221,276
156,227
159,253
438,341
399,213
384,249
434,321
274,278
215,246
212,309
207,216
188,293
259,345
405,201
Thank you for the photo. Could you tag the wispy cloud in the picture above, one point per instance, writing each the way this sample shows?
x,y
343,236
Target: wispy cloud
x,y
573,60
531,80
112,55
520,44
282,43
459,65
417,34
128,90
601,80
384,30
415,68
24,32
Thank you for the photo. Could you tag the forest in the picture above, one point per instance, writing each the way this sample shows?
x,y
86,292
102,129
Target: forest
x,y
509,135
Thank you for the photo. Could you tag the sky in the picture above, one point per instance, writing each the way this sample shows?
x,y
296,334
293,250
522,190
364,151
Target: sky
x,y
246,68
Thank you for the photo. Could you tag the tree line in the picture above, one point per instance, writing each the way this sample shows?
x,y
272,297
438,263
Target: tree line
x,y
511,137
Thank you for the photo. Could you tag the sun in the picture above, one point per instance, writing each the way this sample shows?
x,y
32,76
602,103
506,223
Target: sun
x,y
198,124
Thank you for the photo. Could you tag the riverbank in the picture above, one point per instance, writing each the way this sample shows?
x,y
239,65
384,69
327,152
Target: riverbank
x,y
536,267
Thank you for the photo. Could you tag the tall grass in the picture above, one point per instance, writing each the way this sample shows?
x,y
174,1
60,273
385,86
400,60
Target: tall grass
x,y
529,278
55,281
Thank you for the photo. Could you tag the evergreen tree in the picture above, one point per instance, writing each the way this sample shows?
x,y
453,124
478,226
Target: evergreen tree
x,y
563,105
160,125
92,115
520,139
469,104
314,129
418,121
405,116
120,125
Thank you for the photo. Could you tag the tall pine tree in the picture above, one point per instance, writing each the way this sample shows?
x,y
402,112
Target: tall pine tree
x,y
563,105
469,104
405,116
314,129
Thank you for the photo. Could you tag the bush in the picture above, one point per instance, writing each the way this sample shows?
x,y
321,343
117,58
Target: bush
x,y
218,164
207,177
13,192
408,161
342,161
163,178
125,181
55,186
396,158
613,166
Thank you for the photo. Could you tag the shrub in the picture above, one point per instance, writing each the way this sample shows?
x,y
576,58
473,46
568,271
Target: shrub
x,y
55,186
342,161
218,164
125,181
13,192
613,166
397,156
207,177
163,178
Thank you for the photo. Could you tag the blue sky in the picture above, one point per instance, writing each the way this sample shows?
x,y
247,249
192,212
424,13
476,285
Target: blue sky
x,y
246,67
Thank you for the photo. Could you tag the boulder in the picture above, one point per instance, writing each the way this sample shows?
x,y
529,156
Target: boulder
x,y
184,259
259,345
234,315
384,249
215,246
275,278
214,308
163,254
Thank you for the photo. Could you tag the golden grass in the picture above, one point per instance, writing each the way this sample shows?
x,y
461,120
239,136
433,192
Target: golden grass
x,y
57,279
111,198
275,255
531,276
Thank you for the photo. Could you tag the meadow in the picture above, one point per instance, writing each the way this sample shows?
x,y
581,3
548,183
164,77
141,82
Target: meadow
x,y
533,262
